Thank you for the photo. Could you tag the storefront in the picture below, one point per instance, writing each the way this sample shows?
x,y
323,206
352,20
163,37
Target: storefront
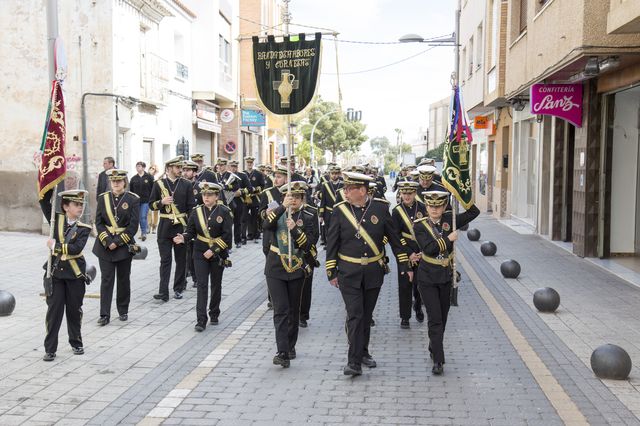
x,y
525,164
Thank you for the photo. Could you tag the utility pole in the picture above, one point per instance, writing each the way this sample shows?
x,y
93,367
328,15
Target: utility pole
x,y
456,76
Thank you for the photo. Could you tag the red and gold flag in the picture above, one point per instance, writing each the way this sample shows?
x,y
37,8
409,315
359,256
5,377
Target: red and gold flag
x,y
53,166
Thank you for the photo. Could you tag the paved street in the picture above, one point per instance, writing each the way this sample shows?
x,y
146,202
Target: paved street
x,y
506,364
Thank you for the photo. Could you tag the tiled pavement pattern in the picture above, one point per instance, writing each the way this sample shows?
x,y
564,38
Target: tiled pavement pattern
x,y
596,306
131,367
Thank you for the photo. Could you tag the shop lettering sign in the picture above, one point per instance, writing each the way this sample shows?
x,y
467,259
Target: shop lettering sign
x,y
558,100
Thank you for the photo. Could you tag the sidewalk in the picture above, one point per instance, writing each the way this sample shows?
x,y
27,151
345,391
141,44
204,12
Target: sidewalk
x,y
597,307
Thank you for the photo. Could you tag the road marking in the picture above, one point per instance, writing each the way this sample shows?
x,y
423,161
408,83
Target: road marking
x,y
166,406
557,396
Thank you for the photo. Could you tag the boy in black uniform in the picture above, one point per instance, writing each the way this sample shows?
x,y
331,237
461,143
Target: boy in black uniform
x,y
435,236
356,262
426,174
210,229
67,273
190,173
305,302
285,274
205,174
251,218
403,215
173,197
117,218
329,196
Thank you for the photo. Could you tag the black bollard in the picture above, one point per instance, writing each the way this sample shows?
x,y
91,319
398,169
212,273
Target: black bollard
x,y
473,234
7,303
611,362
510,268
488,248
546,299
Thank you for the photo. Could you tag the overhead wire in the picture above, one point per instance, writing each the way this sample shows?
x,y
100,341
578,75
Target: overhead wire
x,y
384,66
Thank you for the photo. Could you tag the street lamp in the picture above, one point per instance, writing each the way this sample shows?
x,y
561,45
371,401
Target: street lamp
x,y
438,41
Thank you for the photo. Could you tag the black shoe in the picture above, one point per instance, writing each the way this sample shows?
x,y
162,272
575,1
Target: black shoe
x,y
256,241
437,369
238,245
214,321
143,237
404,324
269,305
199,328
292,353
282,359
373,322
177,295
244,242
419,315
352,370
78,351
123,317
369,361
103,321
49,356
303,323
161,297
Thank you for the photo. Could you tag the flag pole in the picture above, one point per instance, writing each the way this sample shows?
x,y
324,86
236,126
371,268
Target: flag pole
x,y
454,212
286,18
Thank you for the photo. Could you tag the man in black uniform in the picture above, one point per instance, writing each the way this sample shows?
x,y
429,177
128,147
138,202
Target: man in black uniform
x,y
403,215
173,197
241,188
356,262
305,302
103,183
67,273
381,184
210,228
289,229
435,235
190,173
252,218
117,216
205,174
426,175
295,176
329,197
268,176
141,185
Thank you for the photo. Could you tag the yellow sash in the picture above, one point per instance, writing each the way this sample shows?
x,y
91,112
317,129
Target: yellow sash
x,y
363,232
407,222
203,225
175,213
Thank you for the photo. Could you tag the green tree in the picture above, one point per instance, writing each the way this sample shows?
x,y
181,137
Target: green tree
x,y
435,153
333,132
391,153
303,151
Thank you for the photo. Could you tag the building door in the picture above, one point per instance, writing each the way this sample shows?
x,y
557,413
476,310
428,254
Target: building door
x,y
623,139
567,182
491,175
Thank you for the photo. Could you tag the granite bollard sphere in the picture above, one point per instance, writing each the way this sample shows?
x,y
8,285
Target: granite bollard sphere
x,y
7,303
546,299
90,271
611,362
464,227
488,248
473,234
510,268
143,253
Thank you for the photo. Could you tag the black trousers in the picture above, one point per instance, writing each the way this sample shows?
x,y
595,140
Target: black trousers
x,y
165,245
67,296
360,303
208,272
408,295
250,223
109,271
305,302
191,269
437,299
285,296
237,207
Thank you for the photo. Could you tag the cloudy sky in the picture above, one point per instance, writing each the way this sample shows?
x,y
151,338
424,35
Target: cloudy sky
x,y
397,96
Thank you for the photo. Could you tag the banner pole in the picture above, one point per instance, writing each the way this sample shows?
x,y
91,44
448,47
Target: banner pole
x,y
456,99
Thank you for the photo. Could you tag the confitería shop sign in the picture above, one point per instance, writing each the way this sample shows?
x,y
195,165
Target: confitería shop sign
x,y
559,100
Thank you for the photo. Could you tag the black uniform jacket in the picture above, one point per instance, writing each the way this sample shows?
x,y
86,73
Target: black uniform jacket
x,y
435,264
183,202
258,183
330,196
304,236
381,186
210,229
352,260
246,189
403,218
435,186
117,220
71,265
